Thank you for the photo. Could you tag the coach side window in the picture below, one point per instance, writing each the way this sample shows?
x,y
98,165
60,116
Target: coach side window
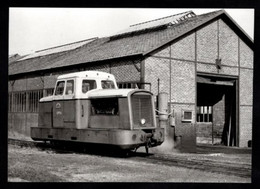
x,y
70,87
88,85
60,88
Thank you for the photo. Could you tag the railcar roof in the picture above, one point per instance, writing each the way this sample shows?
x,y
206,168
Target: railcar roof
x,y
103,93
86,74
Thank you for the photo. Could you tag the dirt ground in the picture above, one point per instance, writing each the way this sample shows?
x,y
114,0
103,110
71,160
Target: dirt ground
x,y
27,164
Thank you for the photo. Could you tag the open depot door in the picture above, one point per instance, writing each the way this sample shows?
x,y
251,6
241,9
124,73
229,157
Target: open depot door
x,y
217,110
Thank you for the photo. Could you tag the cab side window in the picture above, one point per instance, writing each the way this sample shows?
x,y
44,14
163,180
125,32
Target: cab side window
x,y
70,87
107,84
60,88
88,85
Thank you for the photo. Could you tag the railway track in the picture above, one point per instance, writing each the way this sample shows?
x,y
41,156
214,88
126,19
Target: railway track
x,y
223,167
227,168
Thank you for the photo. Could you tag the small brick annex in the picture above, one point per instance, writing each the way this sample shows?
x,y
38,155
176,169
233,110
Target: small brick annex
x,y
206,67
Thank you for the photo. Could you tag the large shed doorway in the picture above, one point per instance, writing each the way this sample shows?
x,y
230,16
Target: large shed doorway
x,y
217,110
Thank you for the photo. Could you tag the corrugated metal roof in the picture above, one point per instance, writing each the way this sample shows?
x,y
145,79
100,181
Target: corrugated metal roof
x,y
137,43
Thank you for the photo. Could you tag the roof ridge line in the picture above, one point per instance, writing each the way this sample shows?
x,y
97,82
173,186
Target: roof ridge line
x,y
160,18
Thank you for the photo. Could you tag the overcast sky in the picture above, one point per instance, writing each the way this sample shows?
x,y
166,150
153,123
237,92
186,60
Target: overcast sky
x,y
32,29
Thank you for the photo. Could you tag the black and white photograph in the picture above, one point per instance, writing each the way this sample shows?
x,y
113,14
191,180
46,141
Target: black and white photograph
x,y
130,95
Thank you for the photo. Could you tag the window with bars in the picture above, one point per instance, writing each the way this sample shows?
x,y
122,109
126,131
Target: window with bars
x,y
204,114
17,102
26,101
33,100
127,85
133,85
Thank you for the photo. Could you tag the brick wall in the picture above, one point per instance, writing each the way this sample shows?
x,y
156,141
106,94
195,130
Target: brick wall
x,y
204,133
218,120
207,68
246,87
184,48
245,129
185,130
246,55
183,88
175,64
217,40
158,68
228,45
207,43
246,94
211,132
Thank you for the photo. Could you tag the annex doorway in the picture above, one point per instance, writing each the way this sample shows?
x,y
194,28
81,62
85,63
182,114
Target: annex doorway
x,y
217,110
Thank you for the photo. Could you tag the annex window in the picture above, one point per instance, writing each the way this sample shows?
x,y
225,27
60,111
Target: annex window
x,y
204,114
104,106
33,100
88,85
127,85
24,101
70,87
18,102
107,84
134,85
60,88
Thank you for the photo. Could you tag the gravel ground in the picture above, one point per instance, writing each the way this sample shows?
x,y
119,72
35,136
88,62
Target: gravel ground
x,y
35,165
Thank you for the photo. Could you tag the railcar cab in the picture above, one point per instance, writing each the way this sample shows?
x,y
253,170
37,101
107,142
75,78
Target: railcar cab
x,y
75,85
68,107
71,92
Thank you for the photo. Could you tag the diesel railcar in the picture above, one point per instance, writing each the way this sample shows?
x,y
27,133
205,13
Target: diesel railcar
x,y
88,107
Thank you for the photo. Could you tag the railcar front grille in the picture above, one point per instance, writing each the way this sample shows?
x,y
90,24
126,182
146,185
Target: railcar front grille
x,y
142,110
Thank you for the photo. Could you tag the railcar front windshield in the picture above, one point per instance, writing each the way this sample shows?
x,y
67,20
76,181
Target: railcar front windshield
x,y
60,88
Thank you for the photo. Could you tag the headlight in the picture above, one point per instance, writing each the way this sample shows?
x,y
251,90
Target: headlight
x,y
142,121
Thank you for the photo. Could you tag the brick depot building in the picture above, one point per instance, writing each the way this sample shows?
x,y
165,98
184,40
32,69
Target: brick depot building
x,y
204,63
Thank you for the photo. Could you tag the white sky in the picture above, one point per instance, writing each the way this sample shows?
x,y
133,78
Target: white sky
x,y
32,29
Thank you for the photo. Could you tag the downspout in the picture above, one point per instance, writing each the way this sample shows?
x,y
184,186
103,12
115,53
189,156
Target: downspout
x,y
142,73
170,66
